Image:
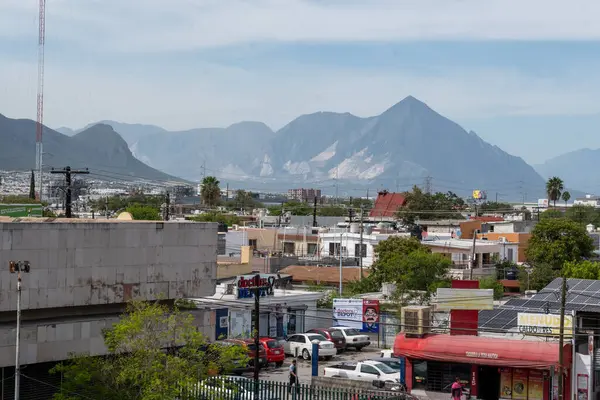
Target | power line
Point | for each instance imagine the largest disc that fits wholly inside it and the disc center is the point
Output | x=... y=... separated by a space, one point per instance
x=67 y=172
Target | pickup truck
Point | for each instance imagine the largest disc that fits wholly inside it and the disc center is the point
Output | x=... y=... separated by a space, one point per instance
x=368 y=371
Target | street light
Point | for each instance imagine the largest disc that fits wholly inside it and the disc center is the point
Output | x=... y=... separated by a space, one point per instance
x=18 y=267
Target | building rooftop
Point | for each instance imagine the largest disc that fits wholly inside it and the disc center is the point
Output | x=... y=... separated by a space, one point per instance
x=308 y=273
x=387 y=204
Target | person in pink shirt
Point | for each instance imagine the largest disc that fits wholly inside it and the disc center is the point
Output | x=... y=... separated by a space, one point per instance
x=457 y=390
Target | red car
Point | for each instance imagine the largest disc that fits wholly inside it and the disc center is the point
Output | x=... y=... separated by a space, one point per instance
x=275 y=353
x=338 y=339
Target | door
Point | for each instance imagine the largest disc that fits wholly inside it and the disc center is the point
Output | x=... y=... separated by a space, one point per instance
x=368 y=373
x=222 y=323
x=289 y=344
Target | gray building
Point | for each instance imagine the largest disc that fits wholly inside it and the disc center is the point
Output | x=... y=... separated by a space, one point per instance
x=84 y=271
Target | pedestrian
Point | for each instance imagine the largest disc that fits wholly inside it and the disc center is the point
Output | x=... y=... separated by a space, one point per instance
x=457 y=389
x=293 y=376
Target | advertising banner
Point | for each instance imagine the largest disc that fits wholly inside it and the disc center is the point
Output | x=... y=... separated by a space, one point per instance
x=448 y=299
x=370 y=316
x=536 y=385
x=505 y=383
x=348 y=312
x=519 y=387
x=543 y=324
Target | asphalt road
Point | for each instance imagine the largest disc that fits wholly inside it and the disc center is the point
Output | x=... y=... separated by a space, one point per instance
x=281 y=374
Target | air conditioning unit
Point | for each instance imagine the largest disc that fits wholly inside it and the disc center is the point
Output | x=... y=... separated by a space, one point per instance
x=416 y=320
x=502 y=239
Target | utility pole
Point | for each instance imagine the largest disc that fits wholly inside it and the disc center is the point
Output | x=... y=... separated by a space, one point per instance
x=561 y=339
x=315 y=213
x=427 y=184
x=67 y=172
x=360 y=259
x=203 y=169
x=18 y=267
x=106 y=206
x=167 y=205
x=473 y=254
x=341 y=275
x=257 y=289
x=227 y=192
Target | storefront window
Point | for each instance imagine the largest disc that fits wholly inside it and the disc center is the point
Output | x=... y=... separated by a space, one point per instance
x=295 y=321
x=420 y=375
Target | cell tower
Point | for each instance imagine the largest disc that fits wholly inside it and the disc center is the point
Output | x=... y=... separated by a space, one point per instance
x=39 y=150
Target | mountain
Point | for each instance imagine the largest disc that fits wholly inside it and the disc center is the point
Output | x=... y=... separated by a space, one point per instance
x=98 y=148
x=575 y=168
x=398 y=148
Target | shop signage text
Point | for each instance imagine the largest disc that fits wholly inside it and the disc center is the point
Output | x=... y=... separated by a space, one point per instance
x=476 y=354
x=543 y=324
x=246 y=285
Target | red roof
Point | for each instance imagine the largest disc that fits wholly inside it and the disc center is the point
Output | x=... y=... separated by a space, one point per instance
x=482 y=350
x=510 y=283
x=387 y=204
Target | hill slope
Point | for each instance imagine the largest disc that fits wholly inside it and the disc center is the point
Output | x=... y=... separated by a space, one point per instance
x=98 y=148
x=575 y=168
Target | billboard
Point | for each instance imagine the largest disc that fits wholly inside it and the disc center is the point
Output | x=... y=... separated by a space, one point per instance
x=543 y=324
x=479 y=195
x=20 y=210
x=543 y=203
x=464 y=299
x=246 y=285
x=357 y=313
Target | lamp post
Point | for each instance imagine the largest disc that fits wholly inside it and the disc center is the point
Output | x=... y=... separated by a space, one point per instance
x=18 y=267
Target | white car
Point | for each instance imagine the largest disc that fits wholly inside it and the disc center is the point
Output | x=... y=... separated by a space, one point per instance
x=368 y=371
x=301 y=345
x=353 y=337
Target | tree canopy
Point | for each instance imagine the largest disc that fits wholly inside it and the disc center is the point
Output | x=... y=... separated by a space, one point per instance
x=210 y=191
x=155 y=352
x=557 y=241
x=408 y=264
x=143 y=213
x=554 y=188
x=421 y=205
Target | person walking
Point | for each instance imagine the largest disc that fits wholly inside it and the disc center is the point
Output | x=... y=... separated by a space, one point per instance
x=457 y=389
x=293 y=376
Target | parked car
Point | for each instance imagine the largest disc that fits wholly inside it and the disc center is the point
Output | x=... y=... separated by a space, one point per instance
x=353 y=337
x=337 y=337
x=301 y=345
x=250 y=347
x=275 y=351
x=368 y=371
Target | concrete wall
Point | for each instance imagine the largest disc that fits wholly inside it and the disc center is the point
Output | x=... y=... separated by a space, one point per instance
x=94 y=263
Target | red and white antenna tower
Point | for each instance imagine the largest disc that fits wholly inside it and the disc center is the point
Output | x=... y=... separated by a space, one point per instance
x=39 y=150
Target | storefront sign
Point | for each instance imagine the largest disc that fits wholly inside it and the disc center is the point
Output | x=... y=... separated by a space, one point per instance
x=464 y=299
x=543 y=324
x=475 y=354
x=370 y=316
x=247 y=284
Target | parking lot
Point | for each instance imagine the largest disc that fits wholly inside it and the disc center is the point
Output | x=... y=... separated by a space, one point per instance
x=281 y=374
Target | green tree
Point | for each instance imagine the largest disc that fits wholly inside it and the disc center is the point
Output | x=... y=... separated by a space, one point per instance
x=492 y=206
x=10 y=199
x=566 y=196
x=210 y=192
x=32 y=186
x=551 y=213
x=537 y=277
x=583 y=214
x=582 y=270
x=491 y=282
x=143 y=213
x=332 y=211
x=420 y=205
x=409 y=265
x=554 y=188
x=557 y=241
x=138 y=367
x=227 y=219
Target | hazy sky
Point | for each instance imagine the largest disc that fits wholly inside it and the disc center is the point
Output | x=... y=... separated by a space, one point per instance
x=522 y=74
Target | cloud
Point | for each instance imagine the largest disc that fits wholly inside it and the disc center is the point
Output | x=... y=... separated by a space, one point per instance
x=160 y=25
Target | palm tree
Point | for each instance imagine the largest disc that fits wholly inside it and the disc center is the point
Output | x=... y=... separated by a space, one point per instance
x=210 y=191
x=554 y=188
x=566 y=196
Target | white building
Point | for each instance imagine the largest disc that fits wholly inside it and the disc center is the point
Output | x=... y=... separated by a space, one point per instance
x=588 y=200
x=329 y=243
x=282 y=311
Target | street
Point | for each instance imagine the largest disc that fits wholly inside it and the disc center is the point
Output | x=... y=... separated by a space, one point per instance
x=305 y=367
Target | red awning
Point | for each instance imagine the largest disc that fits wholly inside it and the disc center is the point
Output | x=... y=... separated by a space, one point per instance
x=482 y=351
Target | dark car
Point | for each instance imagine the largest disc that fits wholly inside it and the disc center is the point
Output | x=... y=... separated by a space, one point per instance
x=250 y=347
x=337 y=337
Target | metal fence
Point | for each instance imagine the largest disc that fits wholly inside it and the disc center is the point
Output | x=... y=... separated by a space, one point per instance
x=224 y=388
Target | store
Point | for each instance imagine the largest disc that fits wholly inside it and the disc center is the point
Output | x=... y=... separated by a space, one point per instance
x=492 y=368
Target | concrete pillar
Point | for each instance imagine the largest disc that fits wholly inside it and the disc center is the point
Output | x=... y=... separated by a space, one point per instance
x=245 y=254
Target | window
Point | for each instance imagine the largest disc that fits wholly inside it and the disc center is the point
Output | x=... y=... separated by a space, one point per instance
x=316 y=337
x=334 y=249
x=289 y=247
x=367 y=369
x=337 y=335
x=311 y=249
x=358 y=252
x=384 y=368
x=253 y=243
x=352 y=332
x=510 y=254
